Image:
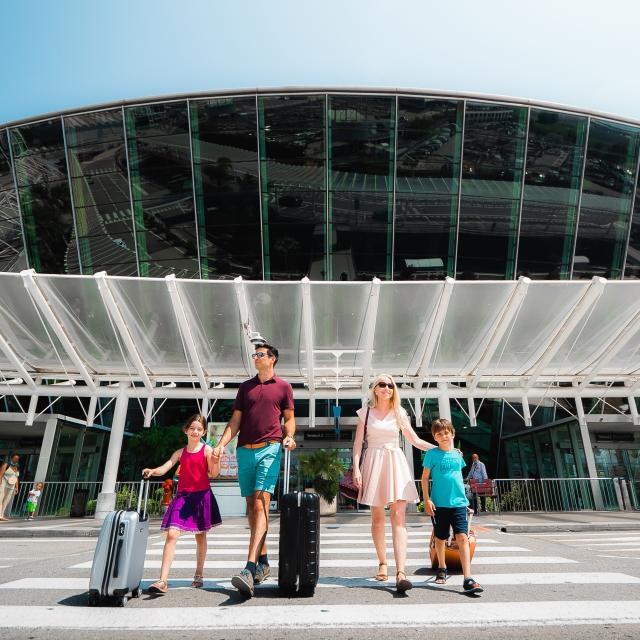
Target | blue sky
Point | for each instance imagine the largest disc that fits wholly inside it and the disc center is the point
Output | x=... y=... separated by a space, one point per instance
x=59 y=54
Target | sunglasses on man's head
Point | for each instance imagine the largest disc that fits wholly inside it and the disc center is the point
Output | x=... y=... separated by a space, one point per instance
x=260 y=354
x=385 y=385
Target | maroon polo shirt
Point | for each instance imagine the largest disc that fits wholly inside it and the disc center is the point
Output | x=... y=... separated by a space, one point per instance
x=262 y=405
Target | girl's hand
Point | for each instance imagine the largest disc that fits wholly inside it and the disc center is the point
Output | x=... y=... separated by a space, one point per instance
x=357 y=478
x=147 y=472
x=430 y=508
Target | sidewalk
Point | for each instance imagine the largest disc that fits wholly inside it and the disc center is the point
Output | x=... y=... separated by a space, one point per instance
x=507 y=522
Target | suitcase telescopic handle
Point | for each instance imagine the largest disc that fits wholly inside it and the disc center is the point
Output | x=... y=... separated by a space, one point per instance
x=287 y=468
x=144 y=489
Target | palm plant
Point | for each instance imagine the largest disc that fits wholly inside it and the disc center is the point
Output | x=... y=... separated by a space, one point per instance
x=324 y=469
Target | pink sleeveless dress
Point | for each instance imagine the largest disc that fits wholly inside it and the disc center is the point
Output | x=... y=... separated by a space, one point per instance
x=386 y=476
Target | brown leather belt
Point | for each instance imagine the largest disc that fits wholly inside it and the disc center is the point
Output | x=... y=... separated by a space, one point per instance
x=259 y=445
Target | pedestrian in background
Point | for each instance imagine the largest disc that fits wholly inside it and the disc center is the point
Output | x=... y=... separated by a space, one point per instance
x=385 y=478
x=32 y=500
x=9 y=483
x=477 y=472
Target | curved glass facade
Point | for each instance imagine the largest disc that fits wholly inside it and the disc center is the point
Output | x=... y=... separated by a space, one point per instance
x=329 y=185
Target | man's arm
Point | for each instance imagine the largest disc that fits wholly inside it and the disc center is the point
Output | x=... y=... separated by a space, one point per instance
x=289 y=429
x=230 y=432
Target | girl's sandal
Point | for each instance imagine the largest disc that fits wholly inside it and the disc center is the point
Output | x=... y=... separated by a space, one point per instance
x=441 y=576
x=158 y=587
x=402 y=584
x=381 y=576
x=198 y=581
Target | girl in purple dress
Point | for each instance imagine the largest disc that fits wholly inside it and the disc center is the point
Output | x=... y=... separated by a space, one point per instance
x=194 y=508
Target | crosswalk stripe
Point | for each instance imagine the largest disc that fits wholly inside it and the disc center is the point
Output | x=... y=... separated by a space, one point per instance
x=328 y=616
x=335 y=563
x=338 y=551
x=487 y=579
x=232 y=543
x=608 y=544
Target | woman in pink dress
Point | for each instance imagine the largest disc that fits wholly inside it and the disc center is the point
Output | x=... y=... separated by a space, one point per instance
x=385 y=477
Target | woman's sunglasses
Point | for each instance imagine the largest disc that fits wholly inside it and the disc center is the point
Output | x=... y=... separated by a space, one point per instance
x=385 y=385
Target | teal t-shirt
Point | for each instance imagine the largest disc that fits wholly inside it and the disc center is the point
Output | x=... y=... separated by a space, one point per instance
x=447 y=488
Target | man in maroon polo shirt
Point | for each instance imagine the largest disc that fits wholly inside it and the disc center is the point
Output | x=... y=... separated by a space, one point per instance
x=260 y=404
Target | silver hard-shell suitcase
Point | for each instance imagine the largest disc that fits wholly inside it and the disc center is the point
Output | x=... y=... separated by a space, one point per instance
x=118 y=561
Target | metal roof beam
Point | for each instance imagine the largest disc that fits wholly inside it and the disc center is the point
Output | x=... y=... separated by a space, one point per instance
x=508 y=313
x=121 y=327
x=41 y=303
x=307 y=330
x=185 y=329
x=369 y=330
x=11 y=355
x=433 y=329
x=612 y=347
x=590 y=296
x=245 y=317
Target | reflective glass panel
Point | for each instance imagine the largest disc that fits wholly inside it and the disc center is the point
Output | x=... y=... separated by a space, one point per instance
x=292 y=152
x=225 y=156
x=632 y=268
x=100 y=189
x=427 y=182
x=555 y=156
x=493 y=160
x=361 y=144
x=45 y=199
x=12 y=252
x=162 y=188
x=605 y=209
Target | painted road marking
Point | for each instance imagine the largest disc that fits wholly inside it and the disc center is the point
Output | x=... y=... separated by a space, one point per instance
x=329 y=616
x=336 y=563
x=488 y=579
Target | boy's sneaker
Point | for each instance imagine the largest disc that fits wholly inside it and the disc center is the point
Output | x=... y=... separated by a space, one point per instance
x=263 y=571
x=471 y=586
x=243 y=582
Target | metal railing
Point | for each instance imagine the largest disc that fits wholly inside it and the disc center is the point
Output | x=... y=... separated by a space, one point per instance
x=559 y=494
x=64 y=499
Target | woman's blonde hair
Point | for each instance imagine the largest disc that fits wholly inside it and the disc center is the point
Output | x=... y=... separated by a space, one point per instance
x=372 y=400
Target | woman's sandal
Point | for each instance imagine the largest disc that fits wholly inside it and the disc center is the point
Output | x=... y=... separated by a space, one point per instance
x=403 y=584
x=158 y=587
x=198 y=581
x=381 y=576
x=441 y=576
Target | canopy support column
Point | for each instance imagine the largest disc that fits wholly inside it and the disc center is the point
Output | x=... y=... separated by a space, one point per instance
x=588 y=454
x=45 y=450
x=444 y=406
x=107 y=497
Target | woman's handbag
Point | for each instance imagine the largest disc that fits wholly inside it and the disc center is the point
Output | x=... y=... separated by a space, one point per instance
x=347 y=485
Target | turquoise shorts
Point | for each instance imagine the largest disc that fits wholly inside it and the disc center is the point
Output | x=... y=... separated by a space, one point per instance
x=258 y=469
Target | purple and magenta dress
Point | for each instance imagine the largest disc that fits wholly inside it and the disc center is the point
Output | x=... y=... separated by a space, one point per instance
x=194 y=508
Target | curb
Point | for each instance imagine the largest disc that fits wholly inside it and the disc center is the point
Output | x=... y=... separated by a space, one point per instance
x=49 y=533
x=572 y=526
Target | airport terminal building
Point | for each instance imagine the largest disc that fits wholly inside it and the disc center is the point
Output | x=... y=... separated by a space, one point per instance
x=483 y=250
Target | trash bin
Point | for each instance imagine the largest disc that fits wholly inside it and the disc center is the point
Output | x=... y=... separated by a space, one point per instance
x=79 y=503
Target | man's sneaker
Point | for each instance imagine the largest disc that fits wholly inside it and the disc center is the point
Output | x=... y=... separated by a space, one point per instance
x=263 y=571
x=243 y=582
x=471 y=586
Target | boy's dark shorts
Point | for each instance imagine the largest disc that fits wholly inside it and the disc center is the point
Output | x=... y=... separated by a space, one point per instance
x=450 y=517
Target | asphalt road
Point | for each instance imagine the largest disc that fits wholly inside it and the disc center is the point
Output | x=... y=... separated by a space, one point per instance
x=552 y=585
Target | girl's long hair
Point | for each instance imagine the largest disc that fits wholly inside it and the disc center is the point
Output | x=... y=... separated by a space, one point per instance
x=372 y=400
x=196 y=417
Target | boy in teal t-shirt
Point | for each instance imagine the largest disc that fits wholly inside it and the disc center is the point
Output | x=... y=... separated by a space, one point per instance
x=446 y=503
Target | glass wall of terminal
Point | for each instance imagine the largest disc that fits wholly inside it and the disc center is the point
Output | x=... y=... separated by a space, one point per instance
x=325 y=185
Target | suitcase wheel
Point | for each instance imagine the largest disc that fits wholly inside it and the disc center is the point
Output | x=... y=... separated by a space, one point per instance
x=121 y=601
x=306 y=592
x=136 y=592
x=94 y=598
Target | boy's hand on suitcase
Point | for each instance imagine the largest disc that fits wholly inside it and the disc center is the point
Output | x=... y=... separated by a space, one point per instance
x=289 y=443
x=430 y=508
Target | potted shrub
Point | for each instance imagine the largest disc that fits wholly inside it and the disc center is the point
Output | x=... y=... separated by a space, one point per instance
x=324 y=469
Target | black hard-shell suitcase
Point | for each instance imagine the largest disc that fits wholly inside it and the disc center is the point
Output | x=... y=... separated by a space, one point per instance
x=118 y=561
x=299 y=555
